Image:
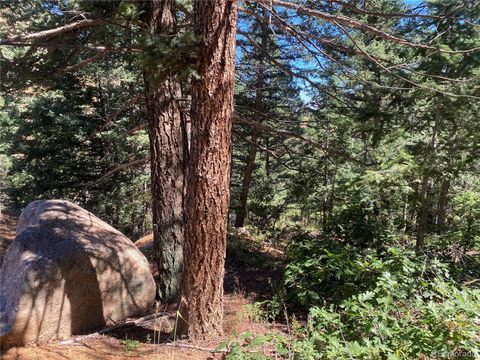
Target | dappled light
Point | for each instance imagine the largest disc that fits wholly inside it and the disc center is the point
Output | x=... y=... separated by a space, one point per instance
x=68 y=273
x=240 y=180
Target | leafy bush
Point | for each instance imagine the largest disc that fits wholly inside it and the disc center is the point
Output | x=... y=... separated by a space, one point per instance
x=327 y=271
x=394 y=305
x=248 y=346
x=130 y=345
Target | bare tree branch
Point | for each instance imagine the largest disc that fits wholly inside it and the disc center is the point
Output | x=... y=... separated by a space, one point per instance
x=279 y=132
x=87 y=61
x=117 y=169
x=288 y=71
x=66 y=46
x=136 y=128
x=355 y=24
x=111 y=117
x=47 y=34
x=328 y=152
x=388 y=15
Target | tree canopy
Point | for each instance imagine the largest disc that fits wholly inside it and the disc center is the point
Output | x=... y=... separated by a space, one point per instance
x=344 y=132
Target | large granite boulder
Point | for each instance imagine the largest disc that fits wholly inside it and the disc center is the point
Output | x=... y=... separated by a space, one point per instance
x=68 y=272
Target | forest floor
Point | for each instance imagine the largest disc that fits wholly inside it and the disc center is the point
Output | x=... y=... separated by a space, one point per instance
x=246 y=282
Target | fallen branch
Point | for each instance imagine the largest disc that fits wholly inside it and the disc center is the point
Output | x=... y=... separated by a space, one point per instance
x=193 y=347
x=126 y=324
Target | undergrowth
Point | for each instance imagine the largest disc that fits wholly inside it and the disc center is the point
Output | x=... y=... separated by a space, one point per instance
x=369 y=304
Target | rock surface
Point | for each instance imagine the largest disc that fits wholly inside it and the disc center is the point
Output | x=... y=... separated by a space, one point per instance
x=68 y=272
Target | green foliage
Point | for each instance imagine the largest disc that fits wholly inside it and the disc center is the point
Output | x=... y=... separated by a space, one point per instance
x=248 y=346
x=465 y=229
x=130 y=345
x=328 y=271
x=392 y=157
x=366 y=305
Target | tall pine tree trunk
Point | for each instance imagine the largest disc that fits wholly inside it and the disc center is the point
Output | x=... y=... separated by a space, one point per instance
x=442 y=205
x=167 y=156
x=247 y=179
x=252 y=154
x=426 y=184
x=201 y=303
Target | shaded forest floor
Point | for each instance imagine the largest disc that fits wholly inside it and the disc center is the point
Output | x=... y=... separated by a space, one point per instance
x=249 y=272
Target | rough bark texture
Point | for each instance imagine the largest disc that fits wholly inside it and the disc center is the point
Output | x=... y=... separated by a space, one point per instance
x=252 y=154
x=167 y=158
x=201 y=304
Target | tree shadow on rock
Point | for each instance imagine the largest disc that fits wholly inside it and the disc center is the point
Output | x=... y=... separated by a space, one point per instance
x=76 y=275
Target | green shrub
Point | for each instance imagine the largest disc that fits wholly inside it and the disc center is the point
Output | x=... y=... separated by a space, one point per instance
x=248 y=346
x=325 y=271
x=393 y=305
x=130 y=345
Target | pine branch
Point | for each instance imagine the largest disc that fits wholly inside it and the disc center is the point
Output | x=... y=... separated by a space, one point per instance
x=288 y=71
x=309 y=37
x=117 y=169
x=112 y=116
x=358 y=25
x=47 y=34
x=290 y=134
x=388 y=15
x=416 y=84
x=87 y=61
x=358 y=52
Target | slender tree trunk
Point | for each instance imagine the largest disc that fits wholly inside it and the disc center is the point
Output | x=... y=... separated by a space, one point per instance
x=405 y=213
x=325 y=197
x=422 y=219
x=267 y=157
x=201 y=303
x=167 y=160
x=442 y=205
x=252 y=154
x=440 y=219
x=325 y=200
x=247 y=179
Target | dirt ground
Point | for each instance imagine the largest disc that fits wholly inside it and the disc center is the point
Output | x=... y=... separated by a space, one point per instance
x=151 y=339
x=115 y=345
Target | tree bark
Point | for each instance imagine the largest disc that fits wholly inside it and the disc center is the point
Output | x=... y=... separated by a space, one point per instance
x=423 y=212
x=422 y=218
x=247 y=179
x=201 y=303
x=258 y=108
x=167 y=161
x=404 y=213
x=442 y=205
